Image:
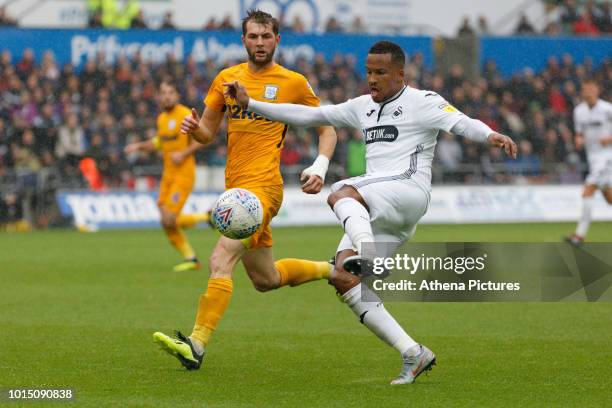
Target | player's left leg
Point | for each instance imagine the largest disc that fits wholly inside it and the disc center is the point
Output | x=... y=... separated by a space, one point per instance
x=416 y=358
x=259 y=260
x=267 y=274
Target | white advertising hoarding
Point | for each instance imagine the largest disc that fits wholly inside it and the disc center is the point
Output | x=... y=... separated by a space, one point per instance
x=449 y=205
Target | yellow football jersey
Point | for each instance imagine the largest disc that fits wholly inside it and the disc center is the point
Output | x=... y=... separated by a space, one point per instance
x=172 y=139
x=254 y=142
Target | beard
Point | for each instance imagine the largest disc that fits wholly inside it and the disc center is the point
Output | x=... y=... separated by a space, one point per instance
x=268 y=58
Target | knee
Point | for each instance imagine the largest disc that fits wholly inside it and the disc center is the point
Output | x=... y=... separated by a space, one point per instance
x=333 y=198
x=168 y=220
x=342 y=280
x=264 y=285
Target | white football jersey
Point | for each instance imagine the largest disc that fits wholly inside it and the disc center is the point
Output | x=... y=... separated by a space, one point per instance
x=401 y=133
x=594 y=124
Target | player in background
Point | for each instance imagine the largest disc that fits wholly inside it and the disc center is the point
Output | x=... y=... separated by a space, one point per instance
x=178 y=176
x=400 y=125
x=253 y=163
x=593 y=128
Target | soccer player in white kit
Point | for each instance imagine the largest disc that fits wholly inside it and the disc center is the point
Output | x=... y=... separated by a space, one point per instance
x=593 y=128
x=400 y=125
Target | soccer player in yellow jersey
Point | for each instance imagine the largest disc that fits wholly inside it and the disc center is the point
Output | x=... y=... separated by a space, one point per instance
x=253 y=163
x=178 y=150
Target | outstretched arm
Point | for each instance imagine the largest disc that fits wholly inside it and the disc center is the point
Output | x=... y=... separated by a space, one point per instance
x=478 y=131
x=298 y=115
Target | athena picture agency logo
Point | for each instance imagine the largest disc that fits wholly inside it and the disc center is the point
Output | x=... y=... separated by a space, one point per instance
x=458 y=272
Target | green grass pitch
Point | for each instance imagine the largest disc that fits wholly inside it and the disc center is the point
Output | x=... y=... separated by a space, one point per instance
x=78 y=310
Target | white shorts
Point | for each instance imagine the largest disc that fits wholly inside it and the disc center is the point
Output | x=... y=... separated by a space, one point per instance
x=600 y=172
x=396 y=205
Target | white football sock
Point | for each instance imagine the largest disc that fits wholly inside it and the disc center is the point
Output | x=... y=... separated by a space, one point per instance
x=376 y=318
x=585 y=217
x=356 y=221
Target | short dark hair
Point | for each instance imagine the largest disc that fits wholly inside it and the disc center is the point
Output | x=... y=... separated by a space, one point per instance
x=388 y=47
x=259 y=17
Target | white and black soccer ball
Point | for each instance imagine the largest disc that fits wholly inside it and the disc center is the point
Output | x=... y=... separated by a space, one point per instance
x=237 y=214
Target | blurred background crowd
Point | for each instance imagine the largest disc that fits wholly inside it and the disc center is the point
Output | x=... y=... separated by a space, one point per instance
x=51 y=117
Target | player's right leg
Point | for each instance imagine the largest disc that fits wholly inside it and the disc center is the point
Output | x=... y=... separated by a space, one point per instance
x=588 y=196
x=354 y=214
x=211 y=306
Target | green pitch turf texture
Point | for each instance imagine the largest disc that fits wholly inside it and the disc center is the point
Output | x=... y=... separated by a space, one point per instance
x=78 y=310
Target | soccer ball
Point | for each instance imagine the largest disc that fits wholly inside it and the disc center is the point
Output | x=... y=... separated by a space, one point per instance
x=237 y=214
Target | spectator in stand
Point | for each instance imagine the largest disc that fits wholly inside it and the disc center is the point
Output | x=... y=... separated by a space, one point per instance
x=524 y=27
x=5 y=19
x=357 y=26
x=297 y=26
x=226 y=24
x=568 y=16
x=483 y=26
x=449 y=155
x=465 y=30
x=585 y=25
x=71 y=145
x=211 y=25
x=599 y=15
x=25 y=66
x=139 y=21
x=168 y=23
x=333 y=26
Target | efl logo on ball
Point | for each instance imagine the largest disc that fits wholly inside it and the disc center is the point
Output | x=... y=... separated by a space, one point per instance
x=237 y=214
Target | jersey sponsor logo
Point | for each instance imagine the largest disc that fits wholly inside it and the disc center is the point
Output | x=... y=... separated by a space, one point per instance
x=236 y=112
x=168 y=138
x=383 y=133
x=594 y=123
x=270 y=92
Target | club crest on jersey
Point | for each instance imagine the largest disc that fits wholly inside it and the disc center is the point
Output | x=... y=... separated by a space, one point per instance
x=270 y=92
x=171 y=124
x=397 y=113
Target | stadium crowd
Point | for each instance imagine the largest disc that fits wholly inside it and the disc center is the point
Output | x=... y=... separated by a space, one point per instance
x=52 y=117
